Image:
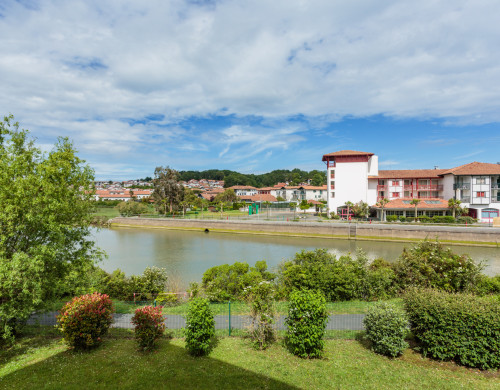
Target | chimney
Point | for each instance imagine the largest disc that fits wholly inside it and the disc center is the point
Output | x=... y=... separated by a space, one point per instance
x=436 y=167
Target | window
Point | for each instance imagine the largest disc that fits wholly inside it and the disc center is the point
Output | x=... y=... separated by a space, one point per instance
x=332 y=185
x=381 y=182
x=333 y=194
x=407 y=182
x=480 y=194
x=489 y=213
x=407 y=194
x=480 y=180
x=395 y=182
x=395 y=194
x=332 y=174
x=432 y=201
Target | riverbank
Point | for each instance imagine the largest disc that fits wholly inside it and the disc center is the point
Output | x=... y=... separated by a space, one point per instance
x=456 y=235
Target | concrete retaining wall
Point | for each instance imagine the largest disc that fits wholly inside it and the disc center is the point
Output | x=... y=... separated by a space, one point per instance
x=470 y=235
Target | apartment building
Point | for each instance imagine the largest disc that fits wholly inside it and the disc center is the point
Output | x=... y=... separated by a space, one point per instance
x=354 y=176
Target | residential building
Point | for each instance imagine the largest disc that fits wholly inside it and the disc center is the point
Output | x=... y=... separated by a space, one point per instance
x=353 y=176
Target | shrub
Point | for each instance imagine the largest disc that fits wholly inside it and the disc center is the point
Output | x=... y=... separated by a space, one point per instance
x=466 y=220
x=443 y=219
x=333 y=215
x=487 y=285
x=200 y=327
x=429 y=264
x=424 y=218
x=226 y=282
x=148 y=285
x=459 y=327
x=391 y=218
x=306 y=323
x=117 y=285
x=148 y=326
x=85 y=319
x=402 y=218
x=386 y=327
x=167 y=299
x=262 y=298
x=131 y=207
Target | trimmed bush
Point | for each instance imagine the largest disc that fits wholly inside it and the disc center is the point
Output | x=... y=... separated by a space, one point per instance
x=306 y=323
x=262 y=298
x=386 y=327
x=443 y=219
x=402 y=218
x=85 y=319
x=424 y=218
x=200 y=327
x=391 y=218
x=466 y=220
x=429 y=264
x=459 y=327
x=148 y=326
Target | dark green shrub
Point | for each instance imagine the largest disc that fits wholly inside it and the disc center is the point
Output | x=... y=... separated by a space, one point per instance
x=429 y=264
x=85 y=319
x=306 y=323
x=386 y=327
x=262 y=299
x=459 y=327
x=148 y=285
x=466 y=220
x=117 y=285
x=339 y=279
x=487 y=285
x=424 y=219
x=226 y=282
x=402 y=218
x=443 y=219
x=148 y=326
x=167 y=299
x=200 y=327
x=391 y=218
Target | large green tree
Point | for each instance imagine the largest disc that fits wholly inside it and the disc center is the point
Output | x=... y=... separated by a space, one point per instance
x=45 y=207
x=167 y=192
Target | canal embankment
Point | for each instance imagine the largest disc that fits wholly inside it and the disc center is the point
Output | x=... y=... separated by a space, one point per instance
x=459 y=235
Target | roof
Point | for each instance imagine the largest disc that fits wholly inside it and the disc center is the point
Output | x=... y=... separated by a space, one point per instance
x=475 y=168
x=259 y=198
x=409 y=174
x=242 y=188
x=347 y=153
x=425 y=204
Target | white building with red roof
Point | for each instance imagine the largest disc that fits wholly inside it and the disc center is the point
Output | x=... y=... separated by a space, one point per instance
x=353 y=176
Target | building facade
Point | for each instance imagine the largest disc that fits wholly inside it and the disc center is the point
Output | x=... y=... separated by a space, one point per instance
x=354 y=176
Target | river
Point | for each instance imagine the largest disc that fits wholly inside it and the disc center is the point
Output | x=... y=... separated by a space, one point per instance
x=186 y=255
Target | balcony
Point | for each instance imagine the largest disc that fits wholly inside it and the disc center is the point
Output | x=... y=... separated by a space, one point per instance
x=429 y=187
x=461 y=186
x=464 y=199
x=382 y=187
x=495 y=185
x=430 y=197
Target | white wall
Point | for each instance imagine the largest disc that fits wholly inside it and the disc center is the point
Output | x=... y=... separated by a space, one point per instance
x=448 y=191
x=351 y=184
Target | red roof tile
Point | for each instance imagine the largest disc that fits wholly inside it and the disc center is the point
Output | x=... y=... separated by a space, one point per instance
x=348 y=153
x=409 y=174
x=475 y=168
x=400 y=204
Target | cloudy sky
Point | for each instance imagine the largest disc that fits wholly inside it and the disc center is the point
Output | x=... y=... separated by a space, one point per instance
x=254 y=85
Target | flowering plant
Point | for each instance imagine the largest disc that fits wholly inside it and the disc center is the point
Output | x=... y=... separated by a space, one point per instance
x=149 y=326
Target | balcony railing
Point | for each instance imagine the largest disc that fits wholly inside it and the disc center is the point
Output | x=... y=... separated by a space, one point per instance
x=461 y=186
x=430 y=197
x=464 y=199
x=429 y=187
x=495 y=185
x=381 y=187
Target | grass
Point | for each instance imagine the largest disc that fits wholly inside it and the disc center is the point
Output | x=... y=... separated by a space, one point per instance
x=42 y=361
x=109 y=212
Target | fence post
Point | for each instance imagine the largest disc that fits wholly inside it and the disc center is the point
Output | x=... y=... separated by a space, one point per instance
x=229 y=318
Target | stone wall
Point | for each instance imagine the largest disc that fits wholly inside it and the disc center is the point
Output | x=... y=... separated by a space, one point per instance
x=470 y=235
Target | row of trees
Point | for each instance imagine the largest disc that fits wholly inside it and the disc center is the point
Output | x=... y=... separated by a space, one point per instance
x=231 y=178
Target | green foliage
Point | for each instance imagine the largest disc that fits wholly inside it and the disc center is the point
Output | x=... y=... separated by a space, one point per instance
x=107 y=203
x=334 y=215
x=386 y=327
x=148 y=285
x=167 y=192
x=487 y=285
x=392 y=218
x=131 y=207
x=200 y=327
x=148 y=326
x=46 y=201
x=424 y=218
x=339 y=279
x=402 y=218
x=306 y=323
x=85 y=319
x=429 y=264
x=466 y=220
x=167 y=299
x=227 y=282
x=262 y=298
x=459 y=327
x=443 y=219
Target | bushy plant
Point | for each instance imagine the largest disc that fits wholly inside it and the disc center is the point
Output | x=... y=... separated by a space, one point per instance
x=262 y=300
x=85 y=319
x=392 y=218
x=306 y=323
x=226 y=282
x=200 y=327
x=402 y=218
x=117 y=285
x=466 y=220
x=167 y=299
x=424 y=218
x=487 y=285
x=148 y=285
x=443 y=219
x=131 y=207
x=148 y=326
x=386 y=327
x=429 y=264
x=459 y=327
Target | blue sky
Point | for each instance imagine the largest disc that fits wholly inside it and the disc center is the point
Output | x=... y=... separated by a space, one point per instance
x=254 y=86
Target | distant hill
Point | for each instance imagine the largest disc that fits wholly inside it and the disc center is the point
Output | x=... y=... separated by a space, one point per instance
x=232 y=178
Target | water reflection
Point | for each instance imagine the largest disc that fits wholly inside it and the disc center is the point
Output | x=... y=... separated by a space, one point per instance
x=188 y=254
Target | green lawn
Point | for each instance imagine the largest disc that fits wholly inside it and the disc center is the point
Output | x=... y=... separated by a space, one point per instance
x=109 y=212
x=42 y=361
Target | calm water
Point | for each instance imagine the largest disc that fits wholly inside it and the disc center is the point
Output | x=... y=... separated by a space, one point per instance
x=186 y=255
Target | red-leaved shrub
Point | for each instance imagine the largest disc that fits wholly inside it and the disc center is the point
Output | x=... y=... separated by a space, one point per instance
x=149 y=326
x=85 y=319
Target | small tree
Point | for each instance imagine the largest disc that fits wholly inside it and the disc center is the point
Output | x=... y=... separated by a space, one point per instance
x=200 y=327
x=304 y=205
x=167 y=192
x=148 y=326
x=454 y=205
x=381 y=203
x=262 y=297
x=415 y=203
x=349 y=207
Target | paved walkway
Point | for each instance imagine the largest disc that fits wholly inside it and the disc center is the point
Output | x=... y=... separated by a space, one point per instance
x=175 y=321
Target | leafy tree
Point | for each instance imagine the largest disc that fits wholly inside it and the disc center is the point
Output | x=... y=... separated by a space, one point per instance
x=304 y=205
x=227 y=196
x=456 y=209
x=415 y=203
x=167 y=192
x=361 y=209
x=381 y=203
x=45 y=207
x=189 y=200
x=132 y=208
x=280 y=199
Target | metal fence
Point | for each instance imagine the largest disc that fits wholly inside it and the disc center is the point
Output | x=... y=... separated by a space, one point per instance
x=230 y=318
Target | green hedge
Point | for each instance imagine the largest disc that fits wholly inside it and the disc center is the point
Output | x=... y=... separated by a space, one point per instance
x=459 y=327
